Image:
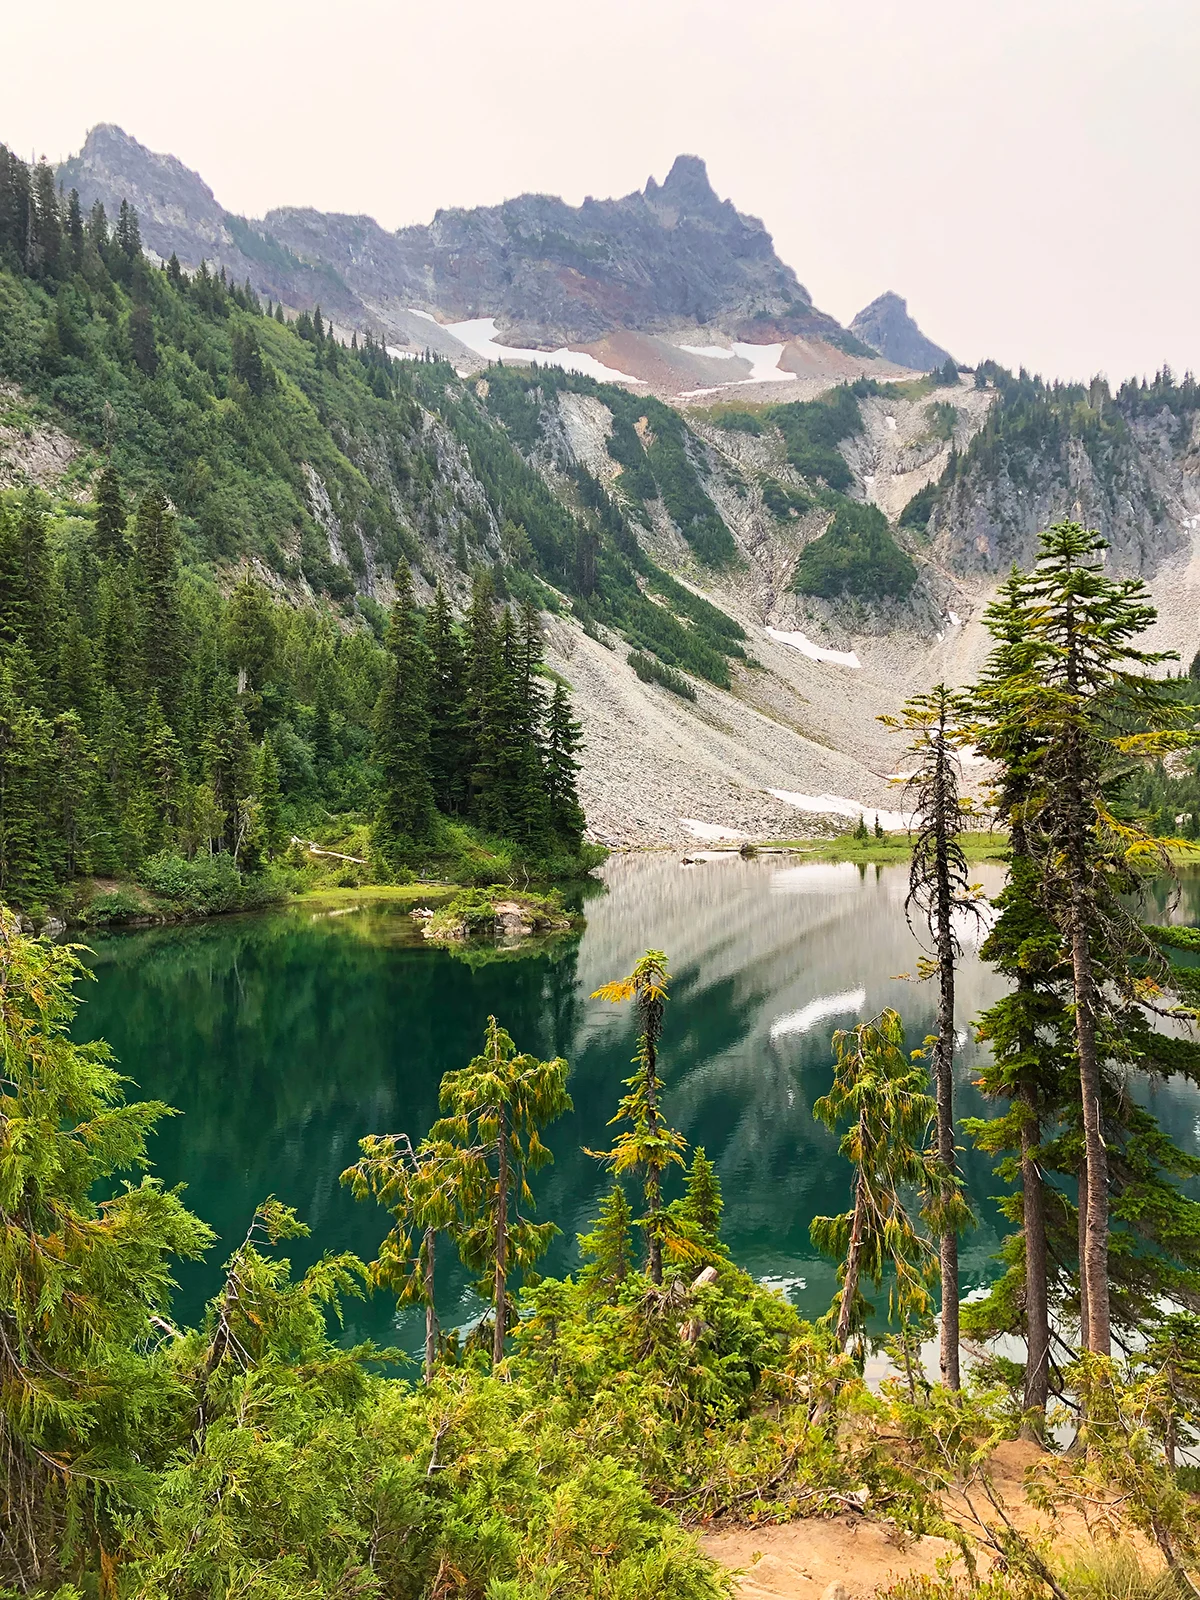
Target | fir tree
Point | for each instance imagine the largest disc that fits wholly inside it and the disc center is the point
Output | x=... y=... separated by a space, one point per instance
x=82 y=1279
x=702 y=1205
x=649 y=1147
x=608 y=1249
x=401 y=748
x=939 y=889
x=448 y=753
x=494 y=1110
x=563 y=740
x=270 y=800
x=883 y=1095
x=25 y=862
x=110 y=516
x=156 y=567
x=251 y=634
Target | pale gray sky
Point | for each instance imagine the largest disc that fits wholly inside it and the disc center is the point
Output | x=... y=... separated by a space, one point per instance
x=1024 y=171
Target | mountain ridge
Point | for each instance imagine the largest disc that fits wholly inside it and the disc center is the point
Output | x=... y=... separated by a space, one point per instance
x=664 y=259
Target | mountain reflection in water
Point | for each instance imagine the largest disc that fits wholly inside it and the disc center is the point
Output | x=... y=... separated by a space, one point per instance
x=284 y=1038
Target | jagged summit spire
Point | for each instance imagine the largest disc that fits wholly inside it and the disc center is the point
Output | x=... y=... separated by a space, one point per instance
x=686 y=186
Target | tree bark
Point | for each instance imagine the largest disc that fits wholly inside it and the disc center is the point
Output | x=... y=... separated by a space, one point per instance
x=1037 y=1312
x=1084 y=1335
x=1094 y=1232
x=501 y=1240
x=431 y=1321
x=944 y=1088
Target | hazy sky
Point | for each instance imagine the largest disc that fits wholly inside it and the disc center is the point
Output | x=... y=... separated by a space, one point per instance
x=1024 y=171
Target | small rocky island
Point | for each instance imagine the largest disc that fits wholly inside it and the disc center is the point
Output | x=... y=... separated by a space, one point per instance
x=499 y=913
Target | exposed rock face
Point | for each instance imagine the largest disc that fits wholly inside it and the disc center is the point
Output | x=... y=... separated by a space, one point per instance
x=886 y=326
x=178 y=214
x=670 y=257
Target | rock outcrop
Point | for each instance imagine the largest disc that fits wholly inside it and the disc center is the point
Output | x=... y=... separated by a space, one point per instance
x=665 y=259
x=887 y=328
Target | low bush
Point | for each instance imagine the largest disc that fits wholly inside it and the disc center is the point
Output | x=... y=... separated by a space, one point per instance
x=113 y=906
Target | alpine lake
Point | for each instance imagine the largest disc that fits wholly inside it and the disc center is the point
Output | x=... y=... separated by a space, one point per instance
x=282 y=1038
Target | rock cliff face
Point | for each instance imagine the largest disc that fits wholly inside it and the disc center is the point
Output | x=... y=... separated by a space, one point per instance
x=668 y=257
x=887 y=328
x=671 y=257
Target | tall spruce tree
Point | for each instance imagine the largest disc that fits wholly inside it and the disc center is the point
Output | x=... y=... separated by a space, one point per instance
x=110 y=516
x=448 y=748
x=648 y=1146
x=156 y=572
x=939 y=890
x=564 y=738
x=405 y=811
x=494 y=1110
x=1083 y=690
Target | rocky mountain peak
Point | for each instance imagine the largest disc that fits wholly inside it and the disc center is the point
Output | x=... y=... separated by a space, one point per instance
x=686 y=186
x=887 y=328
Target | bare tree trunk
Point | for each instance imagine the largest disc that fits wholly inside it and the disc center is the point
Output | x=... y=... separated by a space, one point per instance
x=943 y=1073
x=1084 y=1333
x=431 y=1321
x=501 y=1240
x=1037 y=1314
x=1094 y=1232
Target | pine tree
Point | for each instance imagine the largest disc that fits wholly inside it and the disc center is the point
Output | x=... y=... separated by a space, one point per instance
x=110 y=516
x=82 y=1278
x=156 y=571
x=142 y=342
x=401 y=749
x=72 y=790
x=26 y=868
x=1082 y=685
x=649 y=1146
x=608 y=1249
x=163 y=781
x=563 y=740
x=702 y=1204
x=46 y=240
x=883 y=1094
x=939 y=889
x=448 y=750
x=494 y=1110
x=251 y=634
x=270 y=800
x=420 y=1187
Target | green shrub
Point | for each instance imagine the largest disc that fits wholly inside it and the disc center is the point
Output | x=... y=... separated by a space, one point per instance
x=651 y=671
x=856 y=555
x=209 y=885
x=812 y=431
x=736 y=421
x=917 y=512
x=784 y=503
x=942 y=419
x=114 y=905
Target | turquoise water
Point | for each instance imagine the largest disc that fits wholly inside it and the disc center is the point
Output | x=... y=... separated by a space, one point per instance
x=284 y=1038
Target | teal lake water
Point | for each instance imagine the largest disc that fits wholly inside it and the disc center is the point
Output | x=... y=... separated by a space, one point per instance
x=283 y=1038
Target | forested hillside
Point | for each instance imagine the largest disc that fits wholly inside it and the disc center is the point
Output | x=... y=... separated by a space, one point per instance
x=195 y=662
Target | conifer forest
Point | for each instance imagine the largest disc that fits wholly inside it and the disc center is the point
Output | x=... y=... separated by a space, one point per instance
x=195 y=686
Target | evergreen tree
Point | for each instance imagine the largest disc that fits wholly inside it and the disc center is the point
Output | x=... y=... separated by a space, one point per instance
x=702 y=1205
x=110 y=516
x=142 y=342
x=81 y=1278
x=882 y=1093
x=608 y=1249
x=401 y=748
x=156 y=568
x=494 y=1110
x=25 y=855
x=46 y=240
x=1081 y=686
x=72 y=822
x=251 y=634
x=163 y=781
x=563 y=740
x=649 y=1147
x=270 y=801
x=939 y=889
x=448 y=751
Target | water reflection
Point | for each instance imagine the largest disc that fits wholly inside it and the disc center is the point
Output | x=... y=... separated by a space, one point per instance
x=283 y=1039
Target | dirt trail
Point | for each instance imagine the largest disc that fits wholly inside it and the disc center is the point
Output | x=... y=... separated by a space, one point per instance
x=800 y=1560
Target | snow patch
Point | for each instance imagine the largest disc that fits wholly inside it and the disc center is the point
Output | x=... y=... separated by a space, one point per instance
x=825 y=1005
x=814 y=652
x=716 y=351
x=428 y=315
x=836 y=805
x=891 y=422
x=710 y=830
x=401 y=355
x=955 y=619
x=479 y=335
x=763 y=360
